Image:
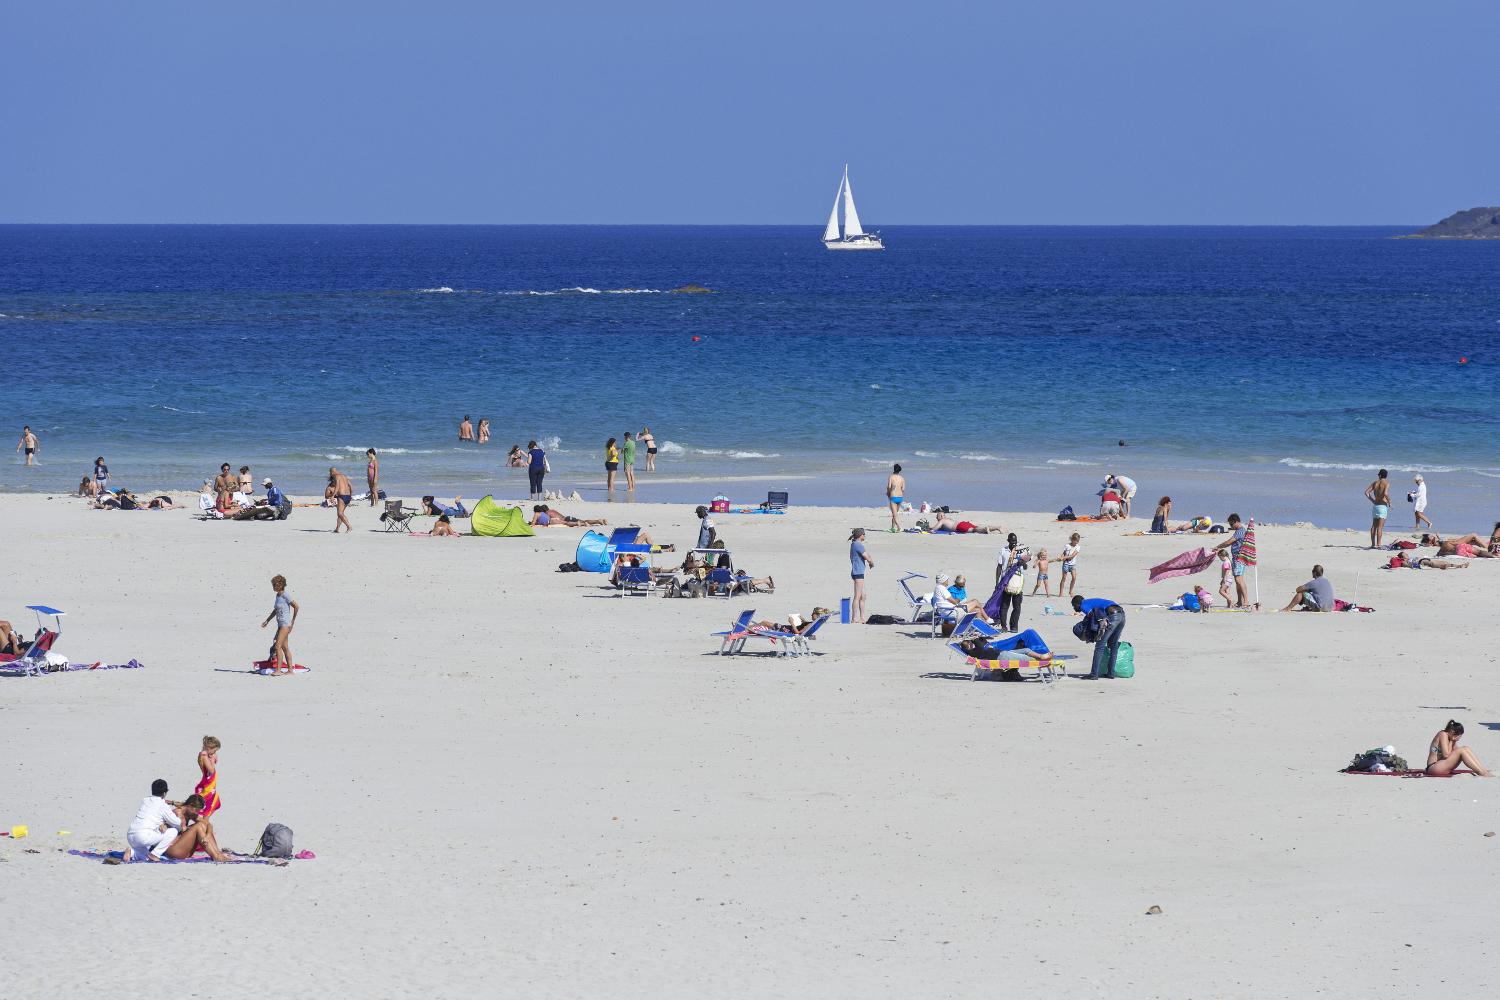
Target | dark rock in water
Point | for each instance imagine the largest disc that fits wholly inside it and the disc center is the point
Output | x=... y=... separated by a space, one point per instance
x=1475 y=224
x=700 y=288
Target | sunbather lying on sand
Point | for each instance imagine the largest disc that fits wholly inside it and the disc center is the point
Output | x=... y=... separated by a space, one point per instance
x=545 y=517
x=1403 y=561
x=1445 y=754
x=946 y=523
x=431 y=505
x=1469 y=546
x=443 y=527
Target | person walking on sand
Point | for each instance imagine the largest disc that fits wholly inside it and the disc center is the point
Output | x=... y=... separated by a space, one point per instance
x=285 y=612
x=29 y=442
x=1444 y=754
x=895 y=493
x=1226 y=579
x=1041 y=574
x=627 y=455
x=341 y=492
x=858 y=560
x=1242 y=592
x=101 y=476
x=1418 y=497
x=372 y=473
x=645 y=438
x=466 y=430
x=1379 y=495
x=611 y=463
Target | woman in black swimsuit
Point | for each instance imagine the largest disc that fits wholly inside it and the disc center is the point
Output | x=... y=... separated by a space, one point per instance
x=644 y=437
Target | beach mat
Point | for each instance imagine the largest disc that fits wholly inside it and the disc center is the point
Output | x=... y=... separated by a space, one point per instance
x=1087 y=520
x=1408 y=774
x=234 y=859
x=267 y=667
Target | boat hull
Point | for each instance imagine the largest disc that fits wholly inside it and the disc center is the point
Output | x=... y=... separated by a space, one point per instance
x=858 y=243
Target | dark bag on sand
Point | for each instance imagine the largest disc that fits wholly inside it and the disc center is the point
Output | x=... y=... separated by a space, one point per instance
x=883 y=620
x=569 y=567
x=1088 y=630
x=276 y=842
x=283 y=509
x=1066 y=514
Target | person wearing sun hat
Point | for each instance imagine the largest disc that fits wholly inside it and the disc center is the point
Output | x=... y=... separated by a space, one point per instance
x=1418 y=497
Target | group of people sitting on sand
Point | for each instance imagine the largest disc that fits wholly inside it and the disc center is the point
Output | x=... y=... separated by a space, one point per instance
x=171 y=830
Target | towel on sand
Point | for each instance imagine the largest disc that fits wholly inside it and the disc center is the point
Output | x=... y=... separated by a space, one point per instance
x=1186 y=564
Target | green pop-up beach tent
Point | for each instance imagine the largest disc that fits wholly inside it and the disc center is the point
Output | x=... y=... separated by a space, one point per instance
x=489 y=518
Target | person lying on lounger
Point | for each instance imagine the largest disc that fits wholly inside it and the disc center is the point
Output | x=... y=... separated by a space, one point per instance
x=795 y=624
x=981 y=650
x=746 y=584
x=443 y=527
x=1469 y=546
x=1445 y=754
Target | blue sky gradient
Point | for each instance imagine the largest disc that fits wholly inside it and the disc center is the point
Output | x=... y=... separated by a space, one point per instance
x=948 y=113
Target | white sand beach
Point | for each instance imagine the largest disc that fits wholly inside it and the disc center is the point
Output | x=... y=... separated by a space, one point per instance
x=517 y=783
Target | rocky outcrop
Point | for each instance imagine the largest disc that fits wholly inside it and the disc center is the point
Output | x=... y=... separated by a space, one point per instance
x=699 y=288
x=1475 y=224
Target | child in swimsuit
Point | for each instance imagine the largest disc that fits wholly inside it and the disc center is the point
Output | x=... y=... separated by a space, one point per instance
x=1041 y=573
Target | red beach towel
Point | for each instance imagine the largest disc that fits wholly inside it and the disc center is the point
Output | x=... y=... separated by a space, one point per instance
x=1194 y=561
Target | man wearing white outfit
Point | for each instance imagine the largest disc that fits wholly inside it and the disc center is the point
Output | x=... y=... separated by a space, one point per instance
x=1125 y=487
x=155 y=826
x=1418 y=498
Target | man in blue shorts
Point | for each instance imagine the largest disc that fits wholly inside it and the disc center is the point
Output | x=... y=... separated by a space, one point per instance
x=1379 y=495
x=1241 y=592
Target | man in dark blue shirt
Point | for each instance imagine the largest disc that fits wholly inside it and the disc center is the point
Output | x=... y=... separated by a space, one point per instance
x=1107 y=644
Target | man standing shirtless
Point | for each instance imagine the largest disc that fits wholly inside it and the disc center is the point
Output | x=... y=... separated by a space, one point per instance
x=28 y=441
x=895 y=493
x=466 y=430
x=340 y=491
x=225 y=481
x=1379 y=494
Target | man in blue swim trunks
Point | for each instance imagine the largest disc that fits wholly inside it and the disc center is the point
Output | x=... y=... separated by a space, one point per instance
x=895 y=493
x=1241 y=592
x=1379 y=495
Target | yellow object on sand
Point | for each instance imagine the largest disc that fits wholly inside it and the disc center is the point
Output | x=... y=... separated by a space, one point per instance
x=19 y=831
x=64 y=833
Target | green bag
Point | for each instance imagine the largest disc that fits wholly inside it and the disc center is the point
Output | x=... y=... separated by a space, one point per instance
x=1125 y=660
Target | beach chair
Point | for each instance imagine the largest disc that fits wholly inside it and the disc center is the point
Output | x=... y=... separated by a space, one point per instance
x=636 y=580
x=775 y=501
x=395 y=518
x=1047 y=670
x=808 y=634
x=720 y=583
x=34 y=659
x=734 y=639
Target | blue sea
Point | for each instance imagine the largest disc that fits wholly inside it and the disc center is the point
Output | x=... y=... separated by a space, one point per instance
x=1264 y=370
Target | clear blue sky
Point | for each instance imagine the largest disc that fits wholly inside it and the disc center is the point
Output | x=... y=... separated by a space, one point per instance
x=995 y=112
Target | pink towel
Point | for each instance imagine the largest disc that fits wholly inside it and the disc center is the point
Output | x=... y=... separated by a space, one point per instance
x=1195 y=561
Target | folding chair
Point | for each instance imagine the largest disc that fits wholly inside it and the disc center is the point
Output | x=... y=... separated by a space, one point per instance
x=734 y=639
x=719 y=583
x=395 y=518
x=636 y=580
x=808 y=634
x=34 y=660
x=774 y=501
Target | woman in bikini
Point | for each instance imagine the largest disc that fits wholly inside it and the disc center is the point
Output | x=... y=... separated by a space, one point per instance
x=645 y=438
x=443 y=528
x=372 y=473
x=1445 y=754
x=484 y=431
x=517 y=459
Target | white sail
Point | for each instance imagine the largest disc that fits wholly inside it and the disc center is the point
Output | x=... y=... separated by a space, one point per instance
x=832 y=232
x=851 y=217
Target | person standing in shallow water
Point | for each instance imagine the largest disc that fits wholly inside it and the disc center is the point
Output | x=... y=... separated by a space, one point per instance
x=29 y=442
x=1379 y=495
x=895 y=494
x=627 y=456
x=1419 y=501
x=466 y=430
x=611 y=464
x=649 y=443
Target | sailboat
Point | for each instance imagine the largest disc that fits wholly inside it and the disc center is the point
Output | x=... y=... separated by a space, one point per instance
x=854 y=238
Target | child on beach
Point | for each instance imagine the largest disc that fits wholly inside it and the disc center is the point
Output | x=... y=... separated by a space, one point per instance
x=1041 y=574
x=285 y=612
x=208 y=785
x=1069 y=564
x=1226 y=578
x=1205 y=599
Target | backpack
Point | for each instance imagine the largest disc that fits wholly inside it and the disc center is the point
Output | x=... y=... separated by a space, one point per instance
x=1066 y=514
x=276 y=842
x=283 y=509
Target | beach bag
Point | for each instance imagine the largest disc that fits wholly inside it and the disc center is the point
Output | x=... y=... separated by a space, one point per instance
x=1403 y=544
x=719 y=506
x=1125 y=660
x=276 y=842
x=283 y=510
x=1190 y=602
x=1016 y=582
x=1066 y=514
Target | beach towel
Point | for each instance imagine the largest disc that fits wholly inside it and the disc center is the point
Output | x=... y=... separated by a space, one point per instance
x=1082 y=520
x=197 y=859
x=268 y=667
x=1186 y=564
x=1407 y=774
